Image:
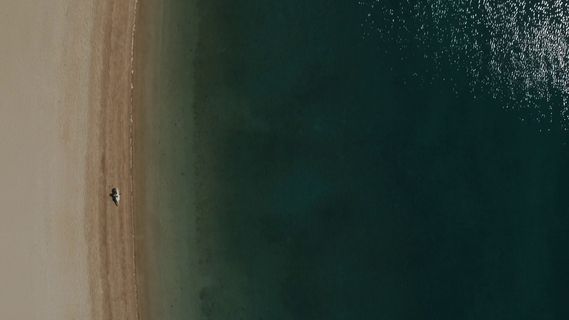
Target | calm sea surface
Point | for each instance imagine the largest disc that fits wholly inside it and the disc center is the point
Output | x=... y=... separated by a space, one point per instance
x=333 y=160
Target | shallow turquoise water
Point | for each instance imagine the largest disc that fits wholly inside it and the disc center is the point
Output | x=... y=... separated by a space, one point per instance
x=309 y=170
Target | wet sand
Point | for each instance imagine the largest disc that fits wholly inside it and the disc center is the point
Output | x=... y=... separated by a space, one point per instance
x=111 y=229
x=65 y=140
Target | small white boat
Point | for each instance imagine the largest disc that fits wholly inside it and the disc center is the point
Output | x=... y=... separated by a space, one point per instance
x=116 y=195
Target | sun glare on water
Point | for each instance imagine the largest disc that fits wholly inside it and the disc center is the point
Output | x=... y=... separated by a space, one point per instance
x=517 y=51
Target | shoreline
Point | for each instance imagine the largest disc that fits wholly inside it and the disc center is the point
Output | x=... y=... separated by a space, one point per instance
x=132 y=146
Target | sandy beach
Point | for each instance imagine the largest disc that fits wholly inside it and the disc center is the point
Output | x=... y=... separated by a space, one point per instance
x=65 y=138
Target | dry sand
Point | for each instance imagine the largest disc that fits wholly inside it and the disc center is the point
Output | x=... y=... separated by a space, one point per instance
x=66 y=252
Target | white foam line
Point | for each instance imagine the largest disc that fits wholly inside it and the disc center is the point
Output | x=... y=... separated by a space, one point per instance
x=131 y=139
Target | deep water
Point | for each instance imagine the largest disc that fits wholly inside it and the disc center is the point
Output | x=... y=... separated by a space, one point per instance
x=313 y=173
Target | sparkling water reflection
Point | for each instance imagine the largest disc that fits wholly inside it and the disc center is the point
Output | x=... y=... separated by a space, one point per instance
x=518 y=51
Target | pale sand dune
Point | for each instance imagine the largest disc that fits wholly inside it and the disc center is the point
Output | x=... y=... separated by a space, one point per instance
x=65 y=253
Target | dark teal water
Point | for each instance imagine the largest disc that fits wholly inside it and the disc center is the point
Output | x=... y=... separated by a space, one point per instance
x=317 y=174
